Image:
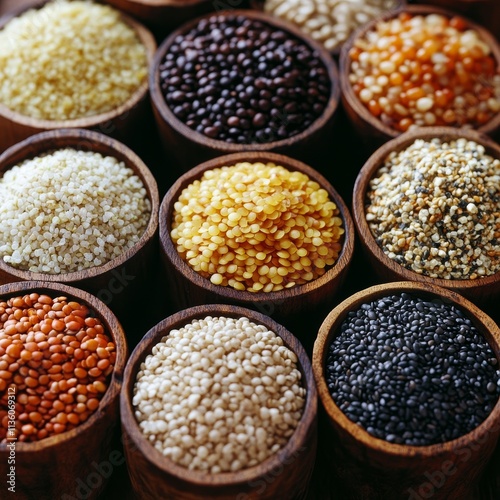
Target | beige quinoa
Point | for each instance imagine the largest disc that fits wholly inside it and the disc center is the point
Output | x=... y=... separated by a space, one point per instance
x=257 y=227
x=69 y=60
x=219 y=394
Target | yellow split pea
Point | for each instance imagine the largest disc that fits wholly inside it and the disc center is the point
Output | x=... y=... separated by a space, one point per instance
x=257 y=227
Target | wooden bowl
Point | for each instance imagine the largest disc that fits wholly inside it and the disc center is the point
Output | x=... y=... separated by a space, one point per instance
x=189 y=288
x=484 y=12
x=483 y=289
x=188 y=147
x=163 y=16
x=76 y=455
x=109 y=281
x=285 y=474
x=260 y=4
x=120 y=123
x=372 y=130
x=375 y=468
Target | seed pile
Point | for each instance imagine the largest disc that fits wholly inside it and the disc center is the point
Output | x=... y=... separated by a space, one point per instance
x=219 y=394
x=434 y=208
x=59 y=359
x=412 y=371
x=425 y=70
x=257 y=227
x=68 y=60
x=241 y=81
x=328 y=21
x=69 y=210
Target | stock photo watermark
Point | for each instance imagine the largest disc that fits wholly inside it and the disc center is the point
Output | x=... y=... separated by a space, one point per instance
x=100 y=473
x=437 y=478
x=116 y=285
x=11 y=438
x=259 y=486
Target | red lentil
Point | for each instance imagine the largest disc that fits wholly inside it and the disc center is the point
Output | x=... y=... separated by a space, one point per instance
x=425 y=70
x=45 y=357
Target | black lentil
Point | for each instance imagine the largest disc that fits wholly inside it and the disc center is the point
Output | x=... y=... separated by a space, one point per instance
x=239 y=80
x=412 y=371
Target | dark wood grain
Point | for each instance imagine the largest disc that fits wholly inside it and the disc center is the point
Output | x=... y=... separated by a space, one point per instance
x=395 y=471
x=370 y=128
x=283 y=475
x=191 y=148
x=121 y=122
x=486 y=289
x=115 y=281
x=54 y=466
x=188 y=288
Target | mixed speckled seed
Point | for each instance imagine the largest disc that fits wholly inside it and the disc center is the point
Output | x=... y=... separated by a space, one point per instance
x=241 y=81
x=434 y=208
x=412 y=371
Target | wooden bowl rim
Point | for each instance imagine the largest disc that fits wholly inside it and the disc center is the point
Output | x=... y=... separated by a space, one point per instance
x=98 y=120
x=361 y=111
x=72 y=137
x=244 y=296
x=485 y=325
x=166 y=465
x=199 y=139
x=371 y=167
x=113 y=329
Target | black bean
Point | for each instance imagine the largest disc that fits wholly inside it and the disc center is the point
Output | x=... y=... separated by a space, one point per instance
x=261 y=73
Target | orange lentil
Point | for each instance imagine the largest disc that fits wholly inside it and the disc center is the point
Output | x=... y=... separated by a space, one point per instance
x=92 y=404
x=80 y=372
x=59 y=428
x=90 y=362
x=42 y=434
x=73 y=325
x=61 y=418
x=68 y=367
x=28 y=429
x=95 y=372
x=37 y=356
x=14 y=350
x=99 y=386
x=43 y=355
x=73 y=418
x=103 y=364
x=102 y=352
x=90 y=321
x=58 y=325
